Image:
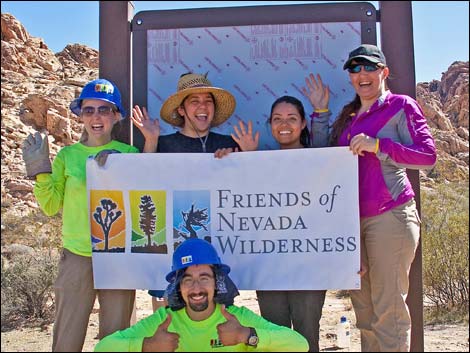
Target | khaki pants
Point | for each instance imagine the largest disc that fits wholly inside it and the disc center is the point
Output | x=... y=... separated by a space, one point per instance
x=74 y=299
x=388 y=245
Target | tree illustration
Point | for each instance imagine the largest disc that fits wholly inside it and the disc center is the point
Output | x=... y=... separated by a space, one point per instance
x=110 y=216
x=148 y=217
x=194 y=218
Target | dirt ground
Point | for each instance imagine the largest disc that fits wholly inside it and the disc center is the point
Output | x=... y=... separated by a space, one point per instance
x=437 y=338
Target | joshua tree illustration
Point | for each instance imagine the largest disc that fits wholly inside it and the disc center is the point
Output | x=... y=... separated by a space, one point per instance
x=194 y=217
x=147 y=217
x=109 y=218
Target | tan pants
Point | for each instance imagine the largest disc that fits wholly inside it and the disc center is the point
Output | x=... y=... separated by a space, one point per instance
x=388 y=245
x=74 y=299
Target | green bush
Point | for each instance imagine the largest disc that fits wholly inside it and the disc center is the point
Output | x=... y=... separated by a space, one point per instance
x=30 y=244
x=27 y=286
x=444 y=233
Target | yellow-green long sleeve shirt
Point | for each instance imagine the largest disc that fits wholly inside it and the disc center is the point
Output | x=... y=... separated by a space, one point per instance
x=65 y=188
x=201 y=336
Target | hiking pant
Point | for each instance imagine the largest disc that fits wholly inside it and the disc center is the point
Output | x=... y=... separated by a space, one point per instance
x=74 y=299
x=388 y=245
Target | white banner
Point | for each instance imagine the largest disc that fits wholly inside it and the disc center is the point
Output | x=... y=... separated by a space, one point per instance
x=280 y=219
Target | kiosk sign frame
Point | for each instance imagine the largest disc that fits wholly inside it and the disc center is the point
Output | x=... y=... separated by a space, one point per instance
x=123 y=59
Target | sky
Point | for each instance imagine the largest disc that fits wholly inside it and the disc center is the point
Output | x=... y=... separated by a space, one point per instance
x=440 y=29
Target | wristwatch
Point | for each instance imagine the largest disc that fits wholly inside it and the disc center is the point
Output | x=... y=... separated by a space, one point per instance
x=253 y=338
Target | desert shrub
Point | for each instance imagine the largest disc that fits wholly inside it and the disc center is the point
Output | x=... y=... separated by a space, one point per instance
x=441 y=315
x=27 y=286
x=445 y=225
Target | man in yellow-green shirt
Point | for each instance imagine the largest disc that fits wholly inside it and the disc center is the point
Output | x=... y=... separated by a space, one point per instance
x=201 y=316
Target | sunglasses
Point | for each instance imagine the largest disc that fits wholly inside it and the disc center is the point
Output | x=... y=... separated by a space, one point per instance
x=104 y=110
x=355 y=69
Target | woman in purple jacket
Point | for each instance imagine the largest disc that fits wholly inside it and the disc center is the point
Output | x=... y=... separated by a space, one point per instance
x=390 y=134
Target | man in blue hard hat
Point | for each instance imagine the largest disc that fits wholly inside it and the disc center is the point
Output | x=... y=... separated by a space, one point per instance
x=201 y=316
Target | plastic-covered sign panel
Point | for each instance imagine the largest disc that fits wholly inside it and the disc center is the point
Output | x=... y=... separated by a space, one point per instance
x=258 y=58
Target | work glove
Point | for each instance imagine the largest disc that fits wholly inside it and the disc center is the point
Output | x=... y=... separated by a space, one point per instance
x=36 y=155
x=102 y=156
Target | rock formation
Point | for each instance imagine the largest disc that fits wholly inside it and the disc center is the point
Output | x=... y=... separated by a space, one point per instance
x=445 y=104
x=37 y=87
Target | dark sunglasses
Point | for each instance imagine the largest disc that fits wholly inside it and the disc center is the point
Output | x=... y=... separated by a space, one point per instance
x=104 y=110
x=355 y=69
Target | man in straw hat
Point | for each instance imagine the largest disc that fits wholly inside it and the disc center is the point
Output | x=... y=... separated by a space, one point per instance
x=201 y=316
x=196 y=107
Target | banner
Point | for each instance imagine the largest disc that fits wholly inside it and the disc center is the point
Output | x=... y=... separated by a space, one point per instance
x=285 y=219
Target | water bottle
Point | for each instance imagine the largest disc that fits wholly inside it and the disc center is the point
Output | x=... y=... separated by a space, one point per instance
x=343 y=333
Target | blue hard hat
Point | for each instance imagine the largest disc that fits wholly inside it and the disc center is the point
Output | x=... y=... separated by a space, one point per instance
x=101 y=89
x=195 y=251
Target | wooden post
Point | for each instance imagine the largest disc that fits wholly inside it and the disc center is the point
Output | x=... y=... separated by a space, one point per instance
x=115 y=50
x=397 y=44
x=115 y=58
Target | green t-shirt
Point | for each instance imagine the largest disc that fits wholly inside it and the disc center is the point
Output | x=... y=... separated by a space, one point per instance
x=66 y=188
x=201 y=336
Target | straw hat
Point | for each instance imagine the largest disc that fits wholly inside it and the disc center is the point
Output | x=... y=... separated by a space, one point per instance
x=192 y=84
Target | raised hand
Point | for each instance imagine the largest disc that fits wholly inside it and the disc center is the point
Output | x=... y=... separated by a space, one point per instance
x=317 y=93
x=150 y=128
x=231 y=332
x=36 y=155
x=244 y=137
x=162 y=340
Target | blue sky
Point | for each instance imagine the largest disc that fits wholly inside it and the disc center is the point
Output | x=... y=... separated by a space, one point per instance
x=441 y=29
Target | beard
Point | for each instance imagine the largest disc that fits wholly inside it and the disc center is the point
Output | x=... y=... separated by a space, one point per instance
x=199 y=306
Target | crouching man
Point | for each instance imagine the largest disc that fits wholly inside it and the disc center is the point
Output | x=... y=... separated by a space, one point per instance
x=200 y=315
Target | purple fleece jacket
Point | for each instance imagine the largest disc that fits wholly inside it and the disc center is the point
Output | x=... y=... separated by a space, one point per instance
x=405 y=142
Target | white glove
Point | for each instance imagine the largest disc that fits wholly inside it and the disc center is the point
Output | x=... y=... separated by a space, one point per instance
x=36 y=155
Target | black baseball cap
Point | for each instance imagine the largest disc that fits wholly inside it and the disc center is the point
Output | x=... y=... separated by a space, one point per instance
x=366 y=52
